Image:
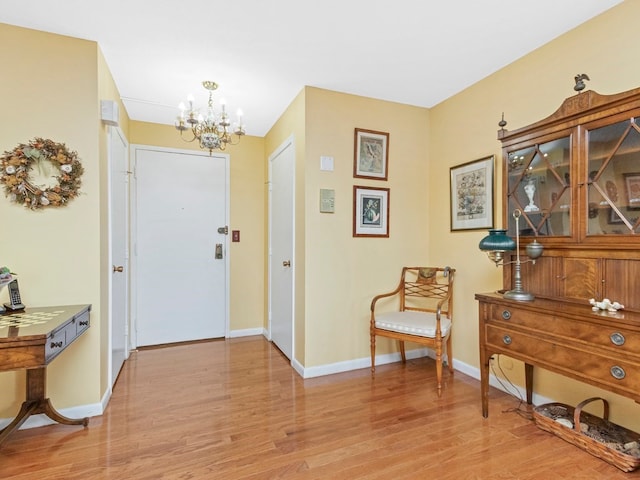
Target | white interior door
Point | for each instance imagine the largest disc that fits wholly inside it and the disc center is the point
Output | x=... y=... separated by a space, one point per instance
x=119 y=221
x=281 y=246
x=181 y=287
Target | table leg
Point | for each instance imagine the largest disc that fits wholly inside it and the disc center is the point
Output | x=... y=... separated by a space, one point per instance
x=26 y=410
x=528 y=381
x=36 y=403
x=36 y=381
x=485 y=358
x=53 y=414
x=484 y=381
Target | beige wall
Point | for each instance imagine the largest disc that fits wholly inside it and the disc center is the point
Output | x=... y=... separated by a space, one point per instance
x=343 y=273
x=50 y=90
x=337 y=274
x=465 y=127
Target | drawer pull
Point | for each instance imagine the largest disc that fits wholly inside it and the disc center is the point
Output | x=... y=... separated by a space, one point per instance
x=506 y=314
x=56 y=344
x=507 y=340
x=617 y=338
x=84 y=323
x=618 y=372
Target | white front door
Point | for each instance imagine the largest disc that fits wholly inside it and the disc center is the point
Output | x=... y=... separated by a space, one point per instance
x=281 y=246
x=181 y=200
x=119 y=221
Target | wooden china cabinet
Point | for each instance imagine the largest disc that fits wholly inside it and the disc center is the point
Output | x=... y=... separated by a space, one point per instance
x=575 y=176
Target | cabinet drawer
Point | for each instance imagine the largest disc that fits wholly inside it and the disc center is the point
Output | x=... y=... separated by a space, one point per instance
x=598 y=335
x=519 y=317
x=615 y=372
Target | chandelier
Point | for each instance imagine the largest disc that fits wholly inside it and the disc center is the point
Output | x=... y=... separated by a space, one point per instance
x=212 y=130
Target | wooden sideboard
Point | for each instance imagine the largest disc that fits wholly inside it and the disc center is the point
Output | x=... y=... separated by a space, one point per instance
x=30 y=339
x=569 y=338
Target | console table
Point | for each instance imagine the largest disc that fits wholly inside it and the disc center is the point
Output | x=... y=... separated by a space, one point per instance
x=30 y=339
x=596 y=347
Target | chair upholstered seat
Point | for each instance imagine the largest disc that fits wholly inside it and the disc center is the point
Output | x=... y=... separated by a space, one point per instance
x=422 y=324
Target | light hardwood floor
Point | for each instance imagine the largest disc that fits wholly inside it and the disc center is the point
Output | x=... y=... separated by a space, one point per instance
x=235 y=409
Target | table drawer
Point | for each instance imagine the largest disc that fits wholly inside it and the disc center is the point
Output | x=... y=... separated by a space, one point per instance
x=60 y=338
x=56 y=342
x=616 y=372
x=22 y=356
x=81 y=322
x=600 y=333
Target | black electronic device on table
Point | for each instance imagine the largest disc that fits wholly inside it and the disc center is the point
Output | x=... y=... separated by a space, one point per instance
x=15 y=303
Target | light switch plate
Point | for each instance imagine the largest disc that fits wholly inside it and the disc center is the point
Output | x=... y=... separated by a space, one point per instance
x=326 y=164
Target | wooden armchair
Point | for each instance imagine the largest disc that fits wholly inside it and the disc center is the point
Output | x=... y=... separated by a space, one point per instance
x=424 y=317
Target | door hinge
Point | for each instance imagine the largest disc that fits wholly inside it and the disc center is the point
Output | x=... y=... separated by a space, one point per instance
x=224 y=230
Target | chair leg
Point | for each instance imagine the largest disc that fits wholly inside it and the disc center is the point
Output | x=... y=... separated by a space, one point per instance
x=439 y=376
x=373 y=352
x=402 y=354
x=449 y=354
x=439 y=366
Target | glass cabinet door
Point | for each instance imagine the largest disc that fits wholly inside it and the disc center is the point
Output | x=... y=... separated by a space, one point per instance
x=614 y=179
x=539 y=184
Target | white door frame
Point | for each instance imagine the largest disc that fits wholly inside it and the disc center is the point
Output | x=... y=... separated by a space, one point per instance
x=133 y=266
x=116 y=130
x=289 y=142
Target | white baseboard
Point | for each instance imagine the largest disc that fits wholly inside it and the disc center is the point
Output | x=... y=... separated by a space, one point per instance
x=356 y=364
x=247 y=332
x=472 y=371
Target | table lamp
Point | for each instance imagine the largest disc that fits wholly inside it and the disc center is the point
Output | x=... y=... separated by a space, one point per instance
x=498 y=242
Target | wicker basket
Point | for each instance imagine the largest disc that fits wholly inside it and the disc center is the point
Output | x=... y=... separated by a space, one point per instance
x=599 y=437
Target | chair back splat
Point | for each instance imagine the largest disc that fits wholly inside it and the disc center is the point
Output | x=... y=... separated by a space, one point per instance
x=424 y=314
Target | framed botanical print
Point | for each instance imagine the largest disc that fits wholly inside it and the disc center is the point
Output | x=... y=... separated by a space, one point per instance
x=472 y=195
x=370 y=212
x=371 y=154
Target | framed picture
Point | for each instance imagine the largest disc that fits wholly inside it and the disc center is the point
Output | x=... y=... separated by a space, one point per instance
x=370 y=212
x=632 y=183
x=472 y=195
x=371 y=154
x=614 y=217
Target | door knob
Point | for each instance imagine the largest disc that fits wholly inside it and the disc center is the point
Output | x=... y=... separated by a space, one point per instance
x=286 y=263
x=119 y=268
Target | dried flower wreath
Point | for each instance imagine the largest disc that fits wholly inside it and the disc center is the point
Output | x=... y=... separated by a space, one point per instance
x=16 y=166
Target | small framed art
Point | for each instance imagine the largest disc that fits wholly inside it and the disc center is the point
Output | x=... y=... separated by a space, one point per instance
x=371 y=154
x=370 y=212
x=632 y=183
x=614 y=217
x=472 y=195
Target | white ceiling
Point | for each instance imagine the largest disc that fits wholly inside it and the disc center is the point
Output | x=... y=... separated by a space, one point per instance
x=262 y=53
